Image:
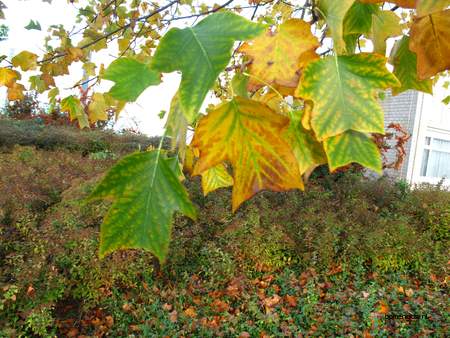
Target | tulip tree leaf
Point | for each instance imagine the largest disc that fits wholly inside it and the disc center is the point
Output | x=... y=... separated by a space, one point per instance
x=334 y=13
x=430 y=40
x=405 y=69
x=247 y=134
x=215 y=178
x=344 y=91
x=74 y=108
x=352 y=147
x=145 y=192
x=33 y=25
x=275 y=55
x=201 y=53
x=131 y=78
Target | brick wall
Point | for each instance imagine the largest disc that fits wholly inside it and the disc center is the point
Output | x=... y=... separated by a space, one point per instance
x=400 y=109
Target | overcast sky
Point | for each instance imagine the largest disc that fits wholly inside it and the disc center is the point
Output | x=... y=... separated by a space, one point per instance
x=145 y=111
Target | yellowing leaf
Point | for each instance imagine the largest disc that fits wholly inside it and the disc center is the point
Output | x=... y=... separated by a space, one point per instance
x=247 y=134
x=334 y=12
x=75 y=54
x=25 y=60
x=385 y=24
x=215 y=178
x=8 y=77
x=352 y=147
x=405 y=69
x=98 y=108
x=176 y=127
x=73 y=106
x=15 y=92
x=344 y=92
x=275 y=55
x=426 y=7
x=201 y=53
x=145 y=192
x=430 y=40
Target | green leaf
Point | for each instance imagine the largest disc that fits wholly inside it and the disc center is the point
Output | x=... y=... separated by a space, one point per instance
x=446 y=100
x=131 y=77
x=201 y=53
x=334 y=12
x=33 y=25
x=38 y=84
x=344 y=91
x=73 y=106
x=405 y=69
x=385 y=24
x=352 y=147
x=145 y=192
x=357 y=22
x=307 y=150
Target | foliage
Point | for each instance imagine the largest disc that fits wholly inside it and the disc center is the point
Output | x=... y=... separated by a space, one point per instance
x=337 y=259
x=270 y=72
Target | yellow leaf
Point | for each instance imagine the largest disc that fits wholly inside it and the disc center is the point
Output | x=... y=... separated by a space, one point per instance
x=15 y=92
x=75 y=53
x=430 y=40
x=401 y=3
x=247 y=134
x=25 y=60
x=426 y=7
x=215 y=178
x=8 y=77
x=385 y=24
x=97 y=108
x=277 y=56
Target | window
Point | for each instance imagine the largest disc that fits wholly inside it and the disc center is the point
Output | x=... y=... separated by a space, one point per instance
x=436 y=158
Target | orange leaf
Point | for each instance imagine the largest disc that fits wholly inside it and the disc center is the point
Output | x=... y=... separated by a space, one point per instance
x=384 y=308
x=190 y=312
x=247 y=134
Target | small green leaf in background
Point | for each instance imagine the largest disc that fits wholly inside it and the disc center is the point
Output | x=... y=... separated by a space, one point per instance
x=334 y=13
x=73 y=106
x=33 y=25
x=201 y=53
x=145 y=192
x=405 y=69
x=352 y=147
x=131 y=78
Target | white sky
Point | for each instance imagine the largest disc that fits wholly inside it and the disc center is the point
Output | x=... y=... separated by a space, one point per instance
x=144 y=112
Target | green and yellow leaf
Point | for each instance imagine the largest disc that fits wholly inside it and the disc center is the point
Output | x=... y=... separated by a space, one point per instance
x=344 y=92
x=98 y=108
x=352 y=147
x=25 y=60
x=145 y=192
x=74 y=108
x=385 y=24
x=215 y=178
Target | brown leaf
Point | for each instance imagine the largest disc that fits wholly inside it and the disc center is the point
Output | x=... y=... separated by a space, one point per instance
x=73 y=332
x=409 y=292
x=109 y=321
x=190 y=312
x=220 y=306
x=291 y=300
x=272 y=301
x=173 y=316
x=126 y=307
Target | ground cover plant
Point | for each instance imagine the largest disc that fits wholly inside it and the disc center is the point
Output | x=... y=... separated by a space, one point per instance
x=297 y=89
x=348 y=257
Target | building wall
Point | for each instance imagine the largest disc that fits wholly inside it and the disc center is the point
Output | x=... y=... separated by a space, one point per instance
x=400 y=109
